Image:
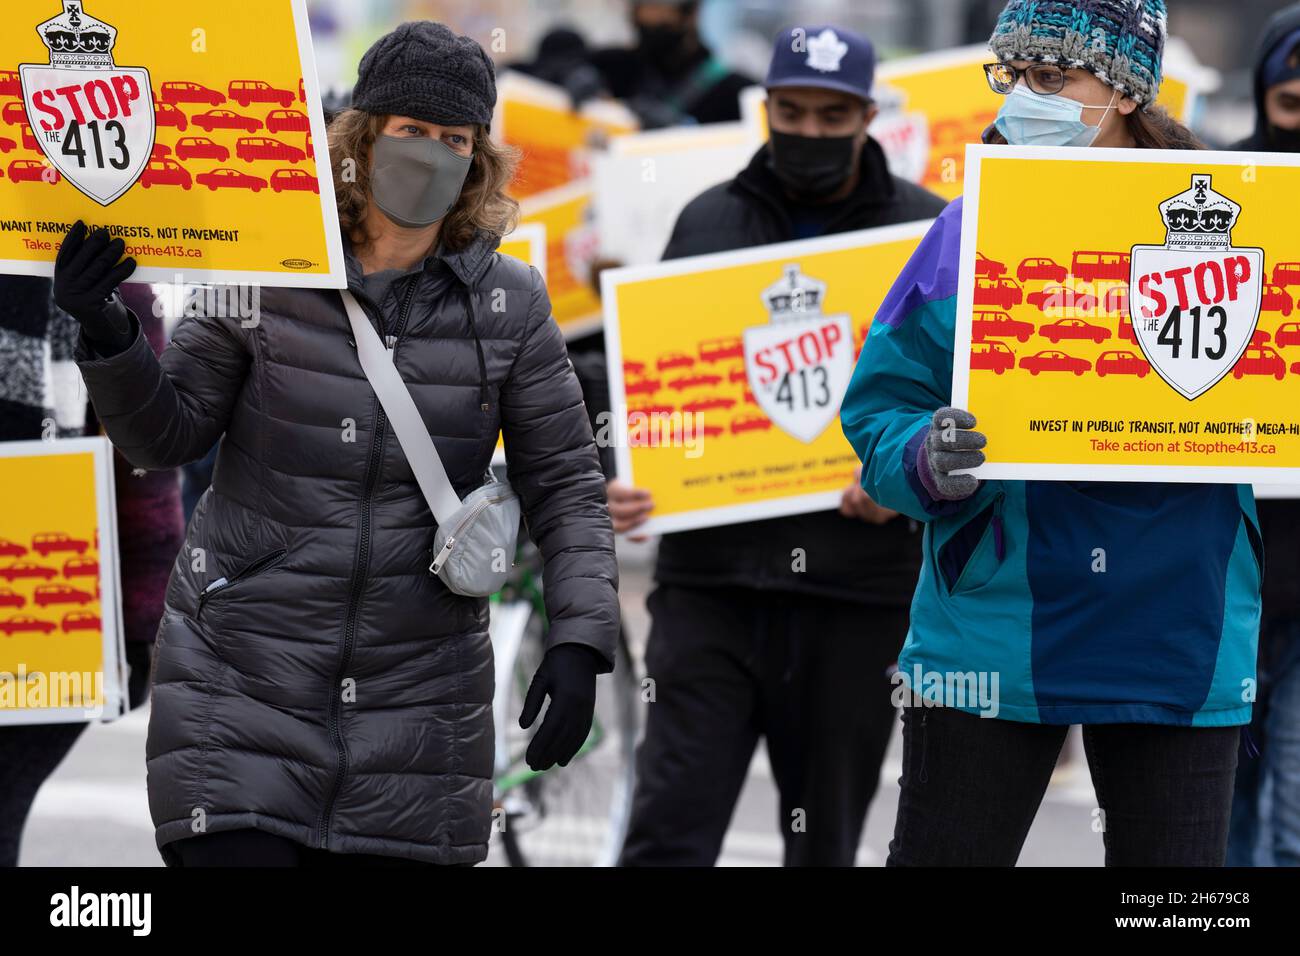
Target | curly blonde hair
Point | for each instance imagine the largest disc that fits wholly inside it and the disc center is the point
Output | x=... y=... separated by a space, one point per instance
x=483 y=204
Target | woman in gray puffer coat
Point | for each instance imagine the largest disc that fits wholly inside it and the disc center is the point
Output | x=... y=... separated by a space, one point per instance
x=317 y=691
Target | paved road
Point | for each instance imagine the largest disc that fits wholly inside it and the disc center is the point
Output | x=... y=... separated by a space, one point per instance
x=93 y=811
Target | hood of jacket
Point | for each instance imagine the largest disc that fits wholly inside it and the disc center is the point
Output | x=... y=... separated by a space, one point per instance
x=1283 y=23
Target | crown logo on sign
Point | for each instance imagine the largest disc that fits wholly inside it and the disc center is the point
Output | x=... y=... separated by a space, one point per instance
x=1199 y=217
x=825 y=51
x=794 y=296
x=78 y=40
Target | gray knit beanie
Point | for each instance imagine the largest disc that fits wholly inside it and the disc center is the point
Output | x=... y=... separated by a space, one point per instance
x=425 y=71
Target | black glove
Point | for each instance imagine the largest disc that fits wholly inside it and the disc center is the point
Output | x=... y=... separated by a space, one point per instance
x=86 y=276
x=568 y=673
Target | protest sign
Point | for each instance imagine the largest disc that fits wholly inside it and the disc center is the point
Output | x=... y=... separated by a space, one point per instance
x=727 y=371
x=572 y=246
x=193 y=138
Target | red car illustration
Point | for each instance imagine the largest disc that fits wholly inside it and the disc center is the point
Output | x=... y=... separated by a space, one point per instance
x=1260 y=360
x=7 y=145
x=713 y=431
x=704 y=404
x=1260 y=337
x=81 y=568
x=989 y=268
x=1116 y=301
x=749 y=398
x=165 y=172
x=200 y=147
x=749 y=423
x=27 y=569
x=11 y=598
x=1064 y=329
x=738 y=375
x=227 y=178
x=715 y=350
x=226 y=119
x=47 y=594
x=1122 y=363
x=302 y=92
x=1288 y=333
x=294 y=179
x=1126 y=331
x=1040 y=268
x=1059 y=298
x=311 y=153
x=674 y=360
x=633 y=368
x=1003 y=292
x=160 y=151
x=25 y=622
x=1275 y=299
x=1090 y=265
x=1053 y=361
x=250 y=148
x=29 y=139
x=81 y=621
x=1000 y=325
x=644 y=386
x=13 y=113
x=287 y=121
x=164 y=114
x=48 y=542
x=10 y=84
x=991 y=357
x=182 y=92
x=32 y=171
x=11 y=549
x=1286 y=273
x=693 y=381
x=245 y=92
x=651 y=410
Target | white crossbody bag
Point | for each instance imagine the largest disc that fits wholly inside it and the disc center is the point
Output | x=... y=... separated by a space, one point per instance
x=475 y=543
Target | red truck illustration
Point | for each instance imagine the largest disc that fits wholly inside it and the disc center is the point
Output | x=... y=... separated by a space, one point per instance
x=750 y=423
x=694 y=381
x=1121 y=362
x=10 y=84
x=1115 y=301
x=991 y=357
x=292 y=180
x=1073 y=329
x=1286 y=273
x=715 y=350
x=46 y=543
x=1003 y=292
x=179 y=91
x=226 y=178
x=1260 y=360
x=200 y=147
x=651 y=410
x=287 y=121
x=165 y=172
x=1091 y=265
x=644 y=386
x=674 y=360
x=989 y=268
x=252 y=148
x=81 y=621
x=1041 y=268
x=47 y=594
x=1000 y=325
x=633 y=368
x=226 y=119
x=245 y=92
x=705 y=404
x=738 y=375
x=1053 y=361
x=19 y=623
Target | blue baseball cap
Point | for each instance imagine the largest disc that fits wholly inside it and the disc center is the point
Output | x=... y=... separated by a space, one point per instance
x=831 y=58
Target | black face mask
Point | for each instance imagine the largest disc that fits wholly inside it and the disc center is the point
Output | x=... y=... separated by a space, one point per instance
x=811 y=167
x=1284 y=140
x=661 y=44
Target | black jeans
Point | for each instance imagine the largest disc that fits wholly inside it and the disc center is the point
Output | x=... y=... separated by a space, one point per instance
x=971 y=787
x=249 y=847
x=810 y=674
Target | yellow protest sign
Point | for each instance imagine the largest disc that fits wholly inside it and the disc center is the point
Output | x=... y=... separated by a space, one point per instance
x=60 y=625
x=527 y=242
x=193 y=138
x=572 y=247
x=556 y=142
x=1129 y=314
x=726 y=373
x=934 y=104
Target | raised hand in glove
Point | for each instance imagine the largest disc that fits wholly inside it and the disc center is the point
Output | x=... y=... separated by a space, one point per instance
x=568 y=674
x=950 y=446
x=86 y=276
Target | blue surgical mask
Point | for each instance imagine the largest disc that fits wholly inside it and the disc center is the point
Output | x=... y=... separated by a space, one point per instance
x=1032 y=119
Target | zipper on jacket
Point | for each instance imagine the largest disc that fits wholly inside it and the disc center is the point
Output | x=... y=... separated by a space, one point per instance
x=362 y=560
x=441 y=557
x=221 y=584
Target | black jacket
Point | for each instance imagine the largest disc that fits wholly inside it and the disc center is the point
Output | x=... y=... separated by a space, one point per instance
x=846 y=558
x=702 y=90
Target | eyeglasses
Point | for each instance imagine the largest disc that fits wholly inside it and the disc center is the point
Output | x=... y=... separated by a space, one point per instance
x=1042 y=78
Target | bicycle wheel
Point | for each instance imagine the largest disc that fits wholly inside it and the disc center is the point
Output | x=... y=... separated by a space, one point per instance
x=575 y=815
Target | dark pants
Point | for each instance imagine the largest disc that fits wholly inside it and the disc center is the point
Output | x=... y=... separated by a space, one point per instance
x=250 y=847
x=971 y=787
x=809 y=674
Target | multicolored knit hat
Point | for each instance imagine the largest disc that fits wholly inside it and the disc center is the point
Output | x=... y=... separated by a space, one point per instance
x=1120 y=41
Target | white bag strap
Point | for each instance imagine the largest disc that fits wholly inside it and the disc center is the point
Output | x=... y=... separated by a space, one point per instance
x=377 y=363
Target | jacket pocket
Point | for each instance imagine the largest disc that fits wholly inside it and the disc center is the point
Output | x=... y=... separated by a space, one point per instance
x=224 y=584
x=973 y=554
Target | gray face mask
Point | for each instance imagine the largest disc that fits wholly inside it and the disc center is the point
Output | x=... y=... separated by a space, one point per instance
x=415 y=179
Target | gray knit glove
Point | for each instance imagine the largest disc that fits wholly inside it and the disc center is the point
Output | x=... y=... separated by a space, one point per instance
x=950 y=445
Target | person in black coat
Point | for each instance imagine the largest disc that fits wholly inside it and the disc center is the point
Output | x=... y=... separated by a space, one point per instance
x=1275 y=726
x=746 y=641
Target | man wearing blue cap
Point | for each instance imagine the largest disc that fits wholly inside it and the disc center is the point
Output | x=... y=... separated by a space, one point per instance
x=784 y=628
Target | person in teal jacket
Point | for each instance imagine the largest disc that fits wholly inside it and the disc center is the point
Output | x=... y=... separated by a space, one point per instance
x=1129 y=608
